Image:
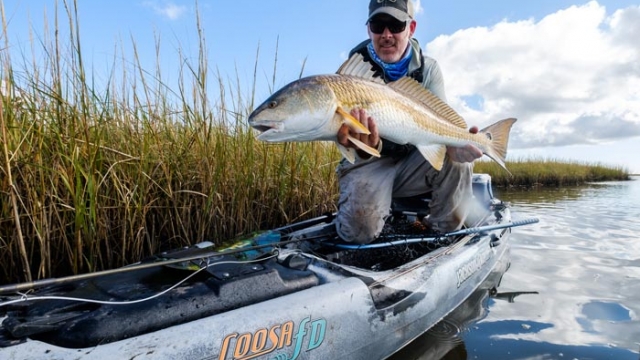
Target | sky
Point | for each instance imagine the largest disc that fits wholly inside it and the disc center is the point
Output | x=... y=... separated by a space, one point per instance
x=569 y=70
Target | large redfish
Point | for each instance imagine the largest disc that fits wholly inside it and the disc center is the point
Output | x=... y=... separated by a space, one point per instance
x=315 y=107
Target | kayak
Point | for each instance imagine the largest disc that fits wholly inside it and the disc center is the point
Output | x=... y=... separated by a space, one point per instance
x=296 y=292
x=447 y=339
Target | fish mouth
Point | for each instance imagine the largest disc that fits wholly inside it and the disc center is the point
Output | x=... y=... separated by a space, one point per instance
x=262 y=128
x=267 y=129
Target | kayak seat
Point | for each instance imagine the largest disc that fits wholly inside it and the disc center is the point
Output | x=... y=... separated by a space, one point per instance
x=418 y=204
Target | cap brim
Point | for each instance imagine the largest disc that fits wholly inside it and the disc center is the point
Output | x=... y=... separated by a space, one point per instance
x=398 y=14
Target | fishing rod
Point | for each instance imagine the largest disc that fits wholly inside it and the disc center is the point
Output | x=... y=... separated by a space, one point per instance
x=282 y=233
x=472 y=230
x=199 y=254
x=59 y=281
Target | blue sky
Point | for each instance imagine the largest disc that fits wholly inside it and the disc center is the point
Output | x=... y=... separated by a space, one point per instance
x=568 y=70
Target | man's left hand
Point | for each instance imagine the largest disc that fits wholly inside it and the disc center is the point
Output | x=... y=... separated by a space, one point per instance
x=467 y=153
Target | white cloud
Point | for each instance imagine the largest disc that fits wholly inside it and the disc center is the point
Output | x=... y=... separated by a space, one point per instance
x=417 y=7
x=572 y=77
x=167 y=9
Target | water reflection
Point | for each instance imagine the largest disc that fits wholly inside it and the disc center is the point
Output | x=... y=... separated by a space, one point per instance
x=583 y=258
x=446 y=340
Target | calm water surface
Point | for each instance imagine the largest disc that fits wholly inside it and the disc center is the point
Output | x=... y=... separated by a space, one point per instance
x=573 y=288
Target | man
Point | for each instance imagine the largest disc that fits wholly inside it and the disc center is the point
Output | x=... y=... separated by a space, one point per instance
x=368 y=186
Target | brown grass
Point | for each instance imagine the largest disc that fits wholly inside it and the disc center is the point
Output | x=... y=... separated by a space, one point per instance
x=98 y=177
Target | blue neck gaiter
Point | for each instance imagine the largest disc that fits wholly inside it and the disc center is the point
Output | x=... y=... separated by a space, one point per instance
x=392 y=71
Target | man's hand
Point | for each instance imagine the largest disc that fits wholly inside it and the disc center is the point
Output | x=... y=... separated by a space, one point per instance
x=468 y=153
x=372 y=139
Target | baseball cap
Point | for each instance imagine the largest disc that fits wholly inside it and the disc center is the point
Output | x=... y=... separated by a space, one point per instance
x=399 y=9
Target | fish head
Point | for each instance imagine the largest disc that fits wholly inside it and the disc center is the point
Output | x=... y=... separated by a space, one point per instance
x=301 y=111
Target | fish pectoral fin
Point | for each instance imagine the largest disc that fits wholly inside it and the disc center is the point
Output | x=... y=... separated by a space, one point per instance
x=348 y=153
x=434 y=154
x=351 y=122
x=364 y=147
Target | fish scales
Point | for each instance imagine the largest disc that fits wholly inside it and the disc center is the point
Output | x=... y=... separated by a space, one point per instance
x=314 y=108
x=400 y=118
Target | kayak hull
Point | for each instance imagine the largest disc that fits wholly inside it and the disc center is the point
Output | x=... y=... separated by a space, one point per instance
x=337 y=311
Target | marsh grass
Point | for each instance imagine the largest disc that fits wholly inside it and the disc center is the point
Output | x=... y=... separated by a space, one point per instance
x=98 y=177
x=529 y=173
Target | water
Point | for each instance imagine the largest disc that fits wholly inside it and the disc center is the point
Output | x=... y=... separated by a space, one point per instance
x=573 y=288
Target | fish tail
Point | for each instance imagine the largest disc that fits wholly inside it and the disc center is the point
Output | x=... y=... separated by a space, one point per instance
x=498 y=133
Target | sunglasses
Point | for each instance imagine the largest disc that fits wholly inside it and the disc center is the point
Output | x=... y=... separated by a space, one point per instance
x=395 y=26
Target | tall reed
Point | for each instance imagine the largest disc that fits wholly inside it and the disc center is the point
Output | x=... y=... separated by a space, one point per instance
x=98 y=176
x=104 y=176
x=549 y=172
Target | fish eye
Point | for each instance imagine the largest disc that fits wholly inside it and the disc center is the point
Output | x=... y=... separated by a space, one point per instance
x=489 y=136
x=272 y=104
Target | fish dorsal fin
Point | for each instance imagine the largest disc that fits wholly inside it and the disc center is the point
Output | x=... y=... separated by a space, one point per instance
x=356 y=66
x=411 y=88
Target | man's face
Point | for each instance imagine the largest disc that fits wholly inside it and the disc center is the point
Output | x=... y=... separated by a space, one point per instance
x=390 y=37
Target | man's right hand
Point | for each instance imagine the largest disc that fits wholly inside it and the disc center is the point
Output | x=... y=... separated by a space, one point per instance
x=373 y=139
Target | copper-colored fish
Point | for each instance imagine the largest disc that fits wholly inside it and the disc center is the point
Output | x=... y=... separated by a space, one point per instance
x=315 y=107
